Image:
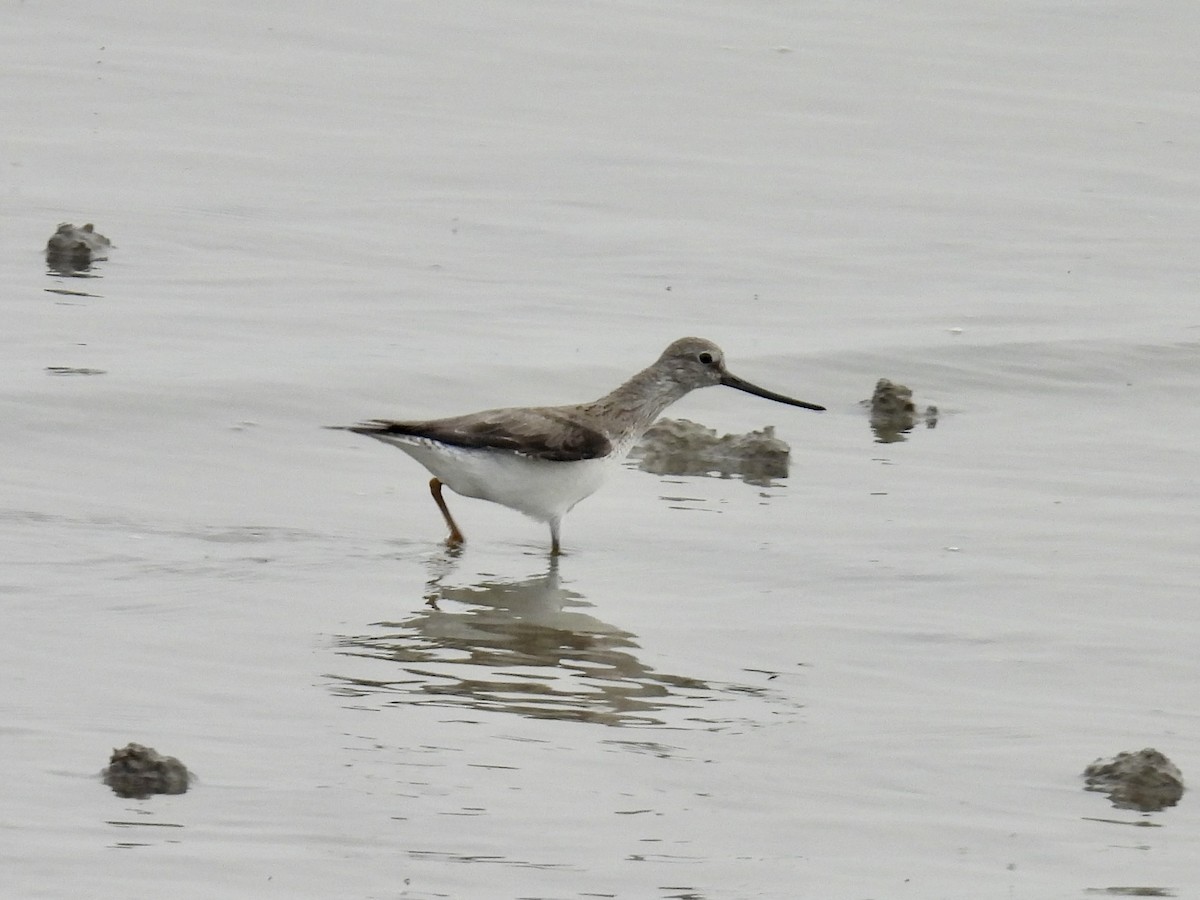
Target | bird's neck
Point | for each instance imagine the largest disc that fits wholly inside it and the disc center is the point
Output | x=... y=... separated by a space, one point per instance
x=638 y=403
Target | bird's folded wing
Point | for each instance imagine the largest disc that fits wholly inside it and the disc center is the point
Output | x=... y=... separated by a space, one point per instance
x=540 y=434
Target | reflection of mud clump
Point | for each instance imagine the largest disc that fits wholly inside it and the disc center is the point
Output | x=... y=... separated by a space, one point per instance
x=1145 y=780
x=72 y=249
x=680 y=447
x=137 y=771
x=893 y=412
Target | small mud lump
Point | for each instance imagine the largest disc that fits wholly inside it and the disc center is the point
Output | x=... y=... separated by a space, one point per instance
x=137 y=771
x=1145 y=780
x=72 y=249
x=893 y=412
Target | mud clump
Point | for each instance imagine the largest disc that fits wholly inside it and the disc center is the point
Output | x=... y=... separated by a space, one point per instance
x=1145 y=780
x=71 y=250
x=893 y=412
x=680 y=447
x=136 y=771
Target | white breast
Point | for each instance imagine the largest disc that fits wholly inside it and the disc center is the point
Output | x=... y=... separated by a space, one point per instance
x=539 y=488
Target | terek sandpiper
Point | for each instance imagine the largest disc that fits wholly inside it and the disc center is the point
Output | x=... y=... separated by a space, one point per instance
x=542 y=460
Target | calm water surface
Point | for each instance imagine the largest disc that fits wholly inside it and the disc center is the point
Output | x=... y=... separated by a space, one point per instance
x=880 y=677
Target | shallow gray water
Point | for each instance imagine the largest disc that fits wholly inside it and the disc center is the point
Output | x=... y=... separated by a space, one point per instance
x=881 y=677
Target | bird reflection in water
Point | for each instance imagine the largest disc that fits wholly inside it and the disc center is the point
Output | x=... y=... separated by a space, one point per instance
x=528 y=647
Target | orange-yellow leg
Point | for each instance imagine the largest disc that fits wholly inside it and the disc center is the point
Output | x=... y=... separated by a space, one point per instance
x=456 y=536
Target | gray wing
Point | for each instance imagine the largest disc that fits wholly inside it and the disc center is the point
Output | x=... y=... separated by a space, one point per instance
x=548 y=434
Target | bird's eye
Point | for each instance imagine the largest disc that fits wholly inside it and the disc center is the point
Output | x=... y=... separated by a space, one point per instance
x=705 y=358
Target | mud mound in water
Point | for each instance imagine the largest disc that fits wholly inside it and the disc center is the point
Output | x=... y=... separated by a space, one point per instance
x=681 y=447
x=893 y=412
x=137 y=771
x=1145 y=780
x=71 y=250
